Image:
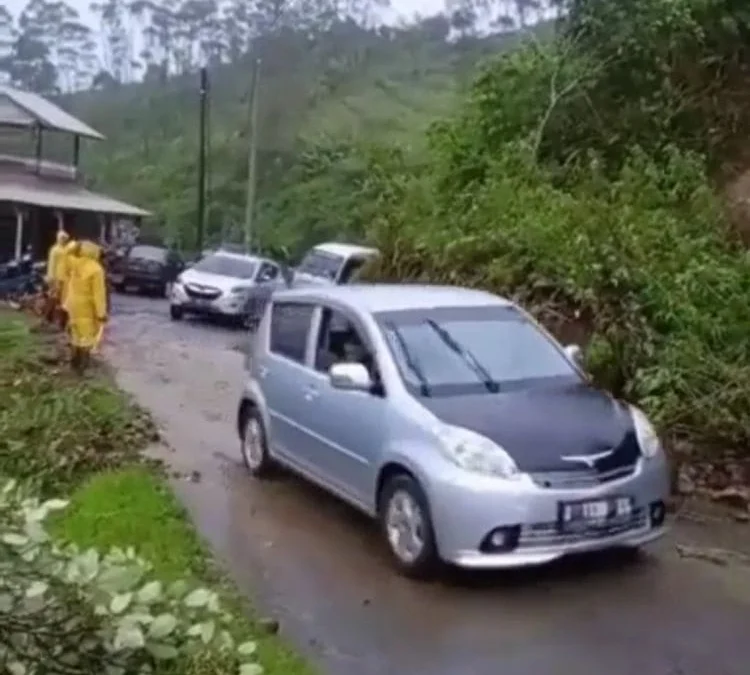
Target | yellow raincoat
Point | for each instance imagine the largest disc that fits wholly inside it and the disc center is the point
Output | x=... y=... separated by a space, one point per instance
x=55 y=265
x=86 y=299
x=65 y=267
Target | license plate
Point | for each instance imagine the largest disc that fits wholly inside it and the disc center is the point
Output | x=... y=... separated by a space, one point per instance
x=594 y=513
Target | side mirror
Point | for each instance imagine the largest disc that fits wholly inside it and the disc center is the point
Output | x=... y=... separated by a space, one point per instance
x=574 y=353
x=350 y=376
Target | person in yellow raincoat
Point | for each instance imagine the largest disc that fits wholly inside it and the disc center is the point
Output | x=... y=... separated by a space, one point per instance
x=86 y=302
x=55 y=266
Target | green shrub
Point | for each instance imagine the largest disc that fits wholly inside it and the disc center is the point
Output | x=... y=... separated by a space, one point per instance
x=63 y=610
x=642 y=260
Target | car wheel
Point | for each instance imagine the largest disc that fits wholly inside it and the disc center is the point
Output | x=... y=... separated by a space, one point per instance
x=253 y=445
x=407 y=527
x=175 y=312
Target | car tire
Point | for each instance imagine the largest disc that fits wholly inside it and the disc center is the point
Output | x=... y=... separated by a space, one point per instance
x=402 y=492
x=175 y=312
x=253 y=444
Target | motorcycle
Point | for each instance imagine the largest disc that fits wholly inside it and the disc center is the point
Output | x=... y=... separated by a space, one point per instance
x=19 y=278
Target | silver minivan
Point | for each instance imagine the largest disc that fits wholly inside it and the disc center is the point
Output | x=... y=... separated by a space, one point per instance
x=453 y=418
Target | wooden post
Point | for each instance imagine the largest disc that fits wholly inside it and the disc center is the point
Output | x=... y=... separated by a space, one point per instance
x=102 y=229
x=60 y=221
x=38 y=129
x=19 y=234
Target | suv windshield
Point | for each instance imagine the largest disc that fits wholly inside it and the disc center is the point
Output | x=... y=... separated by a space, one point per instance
x=318 y=263
x=149 y=253
x=460 y=350
x=227 y=266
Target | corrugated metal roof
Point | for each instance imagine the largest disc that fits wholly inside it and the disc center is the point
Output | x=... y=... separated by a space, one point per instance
x=58 y=194
x=12 y=114
x=49 y=115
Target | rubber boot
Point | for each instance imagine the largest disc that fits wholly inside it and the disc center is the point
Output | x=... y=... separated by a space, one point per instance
x=85 y=360
x=76 y=360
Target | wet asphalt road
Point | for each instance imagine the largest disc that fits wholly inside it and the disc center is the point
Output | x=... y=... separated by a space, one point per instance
x=320 y=569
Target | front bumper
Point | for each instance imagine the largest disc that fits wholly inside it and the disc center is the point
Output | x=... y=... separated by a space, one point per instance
x=225 y=305
x=466 y=508
x=137 y=279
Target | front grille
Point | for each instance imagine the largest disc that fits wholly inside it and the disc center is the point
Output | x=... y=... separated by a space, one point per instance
x=546 y=534
x=202 y=292
x=620 y=464
x=584 y=478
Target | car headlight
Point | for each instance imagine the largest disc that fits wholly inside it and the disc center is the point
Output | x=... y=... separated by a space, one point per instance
x=476 y=453
x=648 y=439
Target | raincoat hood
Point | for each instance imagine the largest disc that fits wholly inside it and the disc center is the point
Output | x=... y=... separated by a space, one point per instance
x=62 y=237
x=72 y=247
x=90 y=250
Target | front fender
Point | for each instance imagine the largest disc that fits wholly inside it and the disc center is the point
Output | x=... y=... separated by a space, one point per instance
x=252 y=395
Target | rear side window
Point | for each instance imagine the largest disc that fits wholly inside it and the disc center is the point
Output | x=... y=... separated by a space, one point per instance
x=290 y=325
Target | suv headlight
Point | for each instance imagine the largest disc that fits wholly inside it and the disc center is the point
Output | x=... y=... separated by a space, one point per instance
x=648 y=439
x=476 y=453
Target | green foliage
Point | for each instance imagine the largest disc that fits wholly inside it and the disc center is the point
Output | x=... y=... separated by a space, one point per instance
x=56 y=429
x=70 y=611
x=642 y=261
x=613 y=236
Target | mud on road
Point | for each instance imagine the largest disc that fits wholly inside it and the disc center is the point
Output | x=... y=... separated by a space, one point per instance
x=320 y=569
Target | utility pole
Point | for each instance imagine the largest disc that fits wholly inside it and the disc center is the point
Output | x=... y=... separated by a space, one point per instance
x=252 y=124
x=202 y=160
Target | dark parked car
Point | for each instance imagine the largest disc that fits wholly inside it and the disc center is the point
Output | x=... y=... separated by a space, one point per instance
x=147 y=267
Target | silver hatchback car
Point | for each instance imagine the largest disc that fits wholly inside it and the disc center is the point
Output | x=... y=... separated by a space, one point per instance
x=453 y=418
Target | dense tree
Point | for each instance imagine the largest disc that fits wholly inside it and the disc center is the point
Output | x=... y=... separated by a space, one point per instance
x=47 y=48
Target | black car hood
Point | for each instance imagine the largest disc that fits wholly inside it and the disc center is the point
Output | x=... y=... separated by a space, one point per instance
x=538 y=427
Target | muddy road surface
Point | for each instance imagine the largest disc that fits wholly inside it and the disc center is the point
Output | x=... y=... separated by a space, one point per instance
x=321 y=571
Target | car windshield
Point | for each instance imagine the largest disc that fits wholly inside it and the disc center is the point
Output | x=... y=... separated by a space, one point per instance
x=227 y=266
x=459 y=350
x=149 y=253
x=318 y=263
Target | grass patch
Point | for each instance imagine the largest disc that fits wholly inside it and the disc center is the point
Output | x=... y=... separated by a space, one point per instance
x=134 y=507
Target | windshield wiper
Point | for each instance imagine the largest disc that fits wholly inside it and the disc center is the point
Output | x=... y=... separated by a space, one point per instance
x=466 y=355
x=424 y=385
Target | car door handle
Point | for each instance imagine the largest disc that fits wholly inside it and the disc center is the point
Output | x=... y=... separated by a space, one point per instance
x=311 y=393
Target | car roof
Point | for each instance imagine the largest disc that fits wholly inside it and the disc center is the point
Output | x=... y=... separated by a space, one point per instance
x=237 y=256
x=395 y=297
x=345 y=250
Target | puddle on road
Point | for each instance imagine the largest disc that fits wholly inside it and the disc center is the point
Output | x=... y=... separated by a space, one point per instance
x=320 y=568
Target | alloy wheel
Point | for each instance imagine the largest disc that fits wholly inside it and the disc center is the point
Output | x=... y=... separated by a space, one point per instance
x=405 y=526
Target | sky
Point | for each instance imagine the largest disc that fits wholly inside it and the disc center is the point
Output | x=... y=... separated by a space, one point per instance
x=403 y=8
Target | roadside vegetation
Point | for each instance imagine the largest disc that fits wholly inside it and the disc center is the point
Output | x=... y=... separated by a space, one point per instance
x=100 y=570
x=583 y=176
